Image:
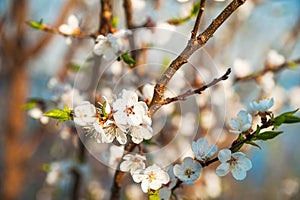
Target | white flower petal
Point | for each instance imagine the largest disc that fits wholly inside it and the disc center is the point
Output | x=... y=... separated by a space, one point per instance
x=223 y=169
x=238 y=173
x=224 y=155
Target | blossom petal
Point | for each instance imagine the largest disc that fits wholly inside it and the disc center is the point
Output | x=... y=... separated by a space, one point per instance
x=238 y=172
x=223 y=169
x=224 y=155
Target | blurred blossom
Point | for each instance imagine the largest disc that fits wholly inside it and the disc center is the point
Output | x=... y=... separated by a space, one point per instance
x=209 y=187
x=242 y=123
x=236 y=162
x=115 y=155
x=72 y=26
x=71 y=98
x=261 y=106
x=294 y=95
x=201 y=149
x=213 y=186
x=267 y=81
x=207 y=118
x=245 y=10
x=95 y=190
x=241 y=67
x=134 y=192
x=37 y=113
x=187 y=124
x=188 y=171
x=274 y=58
x=290 y=186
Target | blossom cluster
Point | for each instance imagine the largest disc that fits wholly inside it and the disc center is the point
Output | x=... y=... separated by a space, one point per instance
x=126 y=117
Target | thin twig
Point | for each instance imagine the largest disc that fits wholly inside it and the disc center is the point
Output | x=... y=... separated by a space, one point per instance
x=191 y=47
x=199 y=90
x=267 y=69
x=198 y=19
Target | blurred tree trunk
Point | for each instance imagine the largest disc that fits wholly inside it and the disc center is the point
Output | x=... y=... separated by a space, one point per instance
x=15 y=53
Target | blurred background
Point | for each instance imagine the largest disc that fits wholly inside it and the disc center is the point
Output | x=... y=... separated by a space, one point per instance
x=41 y=159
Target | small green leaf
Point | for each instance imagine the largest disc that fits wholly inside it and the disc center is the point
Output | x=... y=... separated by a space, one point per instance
x=104 y=113
x=114 y=22
x=268 y=135
x=61 y=115
x=292 y=65
x=46 y=167
x=35 y=24
x=29 y=105
x=253 y=144
x=128 y=59
x=195 y=9
x=153 y=195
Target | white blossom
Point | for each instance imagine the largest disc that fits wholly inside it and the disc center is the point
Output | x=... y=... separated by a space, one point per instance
x=236 y=162
x=153 y=177
x=96 y=132
x=132 y=163
x=261 y=106
x=141 y=132
x=113 y=131
x=71 y=27
x=85 y=114
x=115 y=155
x=188 y=171
x=106 y=46
x=128 y=110
x=201 y=149
x=242 y=123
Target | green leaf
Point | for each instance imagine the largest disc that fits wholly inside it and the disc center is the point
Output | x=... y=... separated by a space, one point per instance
x=153 y=195
x=128 y=59
x=46 y=167
x=287 y=117
x=195 y=9
x=292 y=65
x=253 y=144
x=114 y=22
x=104 y=110
x=61 y=115
x=268 y=135
x=35 y=24
x=257 y=130
x=29 y=105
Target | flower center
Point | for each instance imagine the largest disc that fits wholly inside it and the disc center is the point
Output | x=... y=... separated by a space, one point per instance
x=151 y=177
x=129 y=110
x=188 y=172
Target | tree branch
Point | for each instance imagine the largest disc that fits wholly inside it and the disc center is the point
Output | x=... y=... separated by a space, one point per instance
x=191 y=47
x=105 y=18
x=267 y=69
x=197 y=91
x=198 y=19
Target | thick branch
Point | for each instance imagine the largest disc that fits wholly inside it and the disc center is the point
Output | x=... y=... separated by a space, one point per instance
x=199 y=90
x=198 y=19
x=191 y=47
